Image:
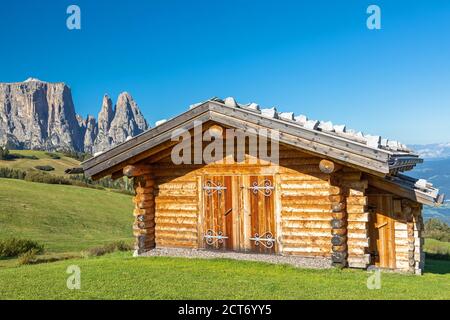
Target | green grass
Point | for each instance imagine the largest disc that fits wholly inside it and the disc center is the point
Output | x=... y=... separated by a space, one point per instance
x=63 y=218
x=120 y=276
x=436 y=247
x=44 y=160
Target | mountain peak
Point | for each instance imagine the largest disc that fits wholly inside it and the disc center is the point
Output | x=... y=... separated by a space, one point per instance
x=33 y=80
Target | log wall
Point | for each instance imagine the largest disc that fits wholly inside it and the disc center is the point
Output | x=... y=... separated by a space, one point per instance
x=320 y=210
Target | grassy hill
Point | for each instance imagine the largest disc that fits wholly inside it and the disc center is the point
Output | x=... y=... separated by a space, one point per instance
x=43 y=160
x=63 y=218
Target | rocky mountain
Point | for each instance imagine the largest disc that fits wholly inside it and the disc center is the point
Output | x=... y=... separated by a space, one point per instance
x=39 y=115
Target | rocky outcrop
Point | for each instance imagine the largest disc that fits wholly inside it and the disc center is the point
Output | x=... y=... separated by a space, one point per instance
x=38 y=115
x=41 y=115
x=106 y=115
x=128 y=120
x=115 y=126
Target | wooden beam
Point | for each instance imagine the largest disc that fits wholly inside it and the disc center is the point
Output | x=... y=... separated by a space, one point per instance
x=136 y=170
x=116 y=175
x=327 y=166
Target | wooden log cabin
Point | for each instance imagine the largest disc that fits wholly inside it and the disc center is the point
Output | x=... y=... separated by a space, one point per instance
x=330 y=193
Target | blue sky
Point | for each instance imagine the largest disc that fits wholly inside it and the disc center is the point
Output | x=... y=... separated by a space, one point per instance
x=311 y=57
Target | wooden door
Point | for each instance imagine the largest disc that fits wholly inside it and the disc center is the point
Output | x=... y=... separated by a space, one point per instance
x=382 y=231
x=262 y=218
x=218 y=230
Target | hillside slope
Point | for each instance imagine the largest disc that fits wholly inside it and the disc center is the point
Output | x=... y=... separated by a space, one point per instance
x=63 y=218
x=43 y=160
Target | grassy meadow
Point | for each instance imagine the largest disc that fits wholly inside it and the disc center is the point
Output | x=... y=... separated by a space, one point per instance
x=120 y=276
x=43 y=160
x=63 y=218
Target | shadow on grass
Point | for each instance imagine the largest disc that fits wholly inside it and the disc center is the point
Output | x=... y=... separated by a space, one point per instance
x=435 y=264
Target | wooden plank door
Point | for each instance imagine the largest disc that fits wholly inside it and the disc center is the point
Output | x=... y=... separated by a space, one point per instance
x=262 y=219
x=382 y=231
x=218 y=226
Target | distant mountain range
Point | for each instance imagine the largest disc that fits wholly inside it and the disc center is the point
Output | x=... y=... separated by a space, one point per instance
x=432 y=151
x=40 y=115
x=436 y=169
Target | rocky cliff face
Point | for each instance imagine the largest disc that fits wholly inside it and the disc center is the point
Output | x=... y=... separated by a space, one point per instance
x=41 y=115
x=38 y=115
x=115 y=126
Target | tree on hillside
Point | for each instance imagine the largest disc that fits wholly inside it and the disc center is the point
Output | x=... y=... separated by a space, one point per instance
x=437 y=229
x=4 y=153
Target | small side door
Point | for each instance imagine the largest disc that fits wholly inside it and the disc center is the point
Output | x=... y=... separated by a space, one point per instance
x=382 y=231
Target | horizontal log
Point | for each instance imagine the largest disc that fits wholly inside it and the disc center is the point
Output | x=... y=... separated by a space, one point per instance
x=363 y=201
x=337 y=206
x=339 y=256
x=357 y=234
x=356 y=225
x=171 y=235
x=308 y=208
x=176 y=220
x=327 y=166
x=358 y=217
x=318 y=232
x=175 y=227
x=306 y=249
x=339 y=215
x=356 y=209
x=306 y=224
x=356 y=185
x=339 y=232
x=167 y=243
x=305 y=185
x=307 y=254
x=144 y=190
x=136 y=170
x=177 y=213
x=139 y=211
x=173 y=206
x=143 y=197
x=146 y=205
x=178 y=186
x=338 y=240
x=337 y=223
x=341 y=248
x=301 y=177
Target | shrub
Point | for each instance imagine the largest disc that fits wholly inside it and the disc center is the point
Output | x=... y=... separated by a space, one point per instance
x=14 y=247
x=4 y=153
x=12 y=173
x=437 y=229
x=45 y=168
x=53 y=155
x=42 y=177
x=109 y=248
x=13 y=156
x=28 y=257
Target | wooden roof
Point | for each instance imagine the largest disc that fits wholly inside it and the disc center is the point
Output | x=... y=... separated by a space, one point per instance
x=375 y=160
x=383 y=162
